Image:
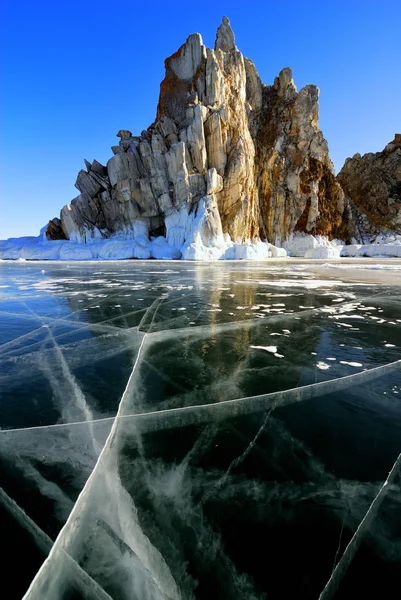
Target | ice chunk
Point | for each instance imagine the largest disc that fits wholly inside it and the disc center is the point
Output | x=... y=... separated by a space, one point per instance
x=162 y=250
x=323 y=252
x=70 y=251
x=117 y=249
x=309 y=246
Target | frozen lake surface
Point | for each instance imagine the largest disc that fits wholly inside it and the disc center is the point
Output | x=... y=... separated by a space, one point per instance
x=258 y=419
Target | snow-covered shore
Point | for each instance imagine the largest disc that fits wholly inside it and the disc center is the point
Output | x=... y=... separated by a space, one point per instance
x=122 y=247
x=308 y=246
x=125 y=247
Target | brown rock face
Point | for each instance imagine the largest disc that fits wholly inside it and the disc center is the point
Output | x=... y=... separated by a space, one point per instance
x=373 y=184
x=295 y=181
x=254 y=152
x=55 y=230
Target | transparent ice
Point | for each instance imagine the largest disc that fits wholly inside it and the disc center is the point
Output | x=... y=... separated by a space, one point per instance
x=199 y=431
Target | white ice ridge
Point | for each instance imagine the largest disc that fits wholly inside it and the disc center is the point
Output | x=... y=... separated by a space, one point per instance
x=59 y=425
x=338 y=573
x=188 y=415
x=44 y=543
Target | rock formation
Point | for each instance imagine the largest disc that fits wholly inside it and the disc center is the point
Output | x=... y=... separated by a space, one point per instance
x=54 y=230
x=373 y=184
x=226 y=156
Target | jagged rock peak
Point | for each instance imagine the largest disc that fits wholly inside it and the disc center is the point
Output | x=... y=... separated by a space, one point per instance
x=178 y=88
x=284 y=83
x=186 y=61
x=225 y=39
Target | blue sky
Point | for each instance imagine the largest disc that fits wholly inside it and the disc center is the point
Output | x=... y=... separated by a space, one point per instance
x=73 y=73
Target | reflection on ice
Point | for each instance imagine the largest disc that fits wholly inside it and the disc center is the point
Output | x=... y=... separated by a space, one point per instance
x=198 y=433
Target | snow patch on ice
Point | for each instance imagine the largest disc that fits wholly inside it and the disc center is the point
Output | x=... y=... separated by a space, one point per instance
x=272 y=349
x=351 y=364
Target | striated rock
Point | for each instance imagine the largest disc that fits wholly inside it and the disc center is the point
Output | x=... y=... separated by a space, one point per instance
x=372 y=183
x=226 y=156
x=55 y=230
x=295 y=178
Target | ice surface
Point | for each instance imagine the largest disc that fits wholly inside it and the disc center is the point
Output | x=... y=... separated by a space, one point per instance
x=170 y=432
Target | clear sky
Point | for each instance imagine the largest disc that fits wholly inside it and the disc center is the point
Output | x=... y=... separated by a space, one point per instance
x=73 y=73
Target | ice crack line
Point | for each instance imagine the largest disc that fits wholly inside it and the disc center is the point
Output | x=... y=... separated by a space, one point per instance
x=155 y=308
x=203 y=330
x=237 y=461
x=76 y=392
x=238 y=406
x=8 y=348
x=337 y=575
x=177 y=417
x=85 y=490
x=44 y=542
x=57 y=425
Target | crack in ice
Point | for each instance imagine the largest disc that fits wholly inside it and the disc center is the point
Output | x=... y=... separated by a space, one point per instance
x=45 y=543
x=237 y=461
x=245 y=405
x=337 y=575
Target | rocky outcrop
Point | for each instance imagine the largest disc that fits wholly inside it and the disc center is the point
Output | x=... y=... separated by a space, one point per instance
x=295 y=181
x=54 y=230
x=251 y=158
x=372 y=182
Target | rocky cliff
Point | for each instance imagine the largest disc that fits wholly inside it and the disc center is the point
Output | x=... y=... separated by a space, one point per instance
x=372 y=182
x=226 y=156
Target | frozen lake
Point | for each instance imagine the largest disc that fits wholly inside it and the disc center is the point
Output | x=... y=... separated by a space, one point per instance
x=259 y=417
